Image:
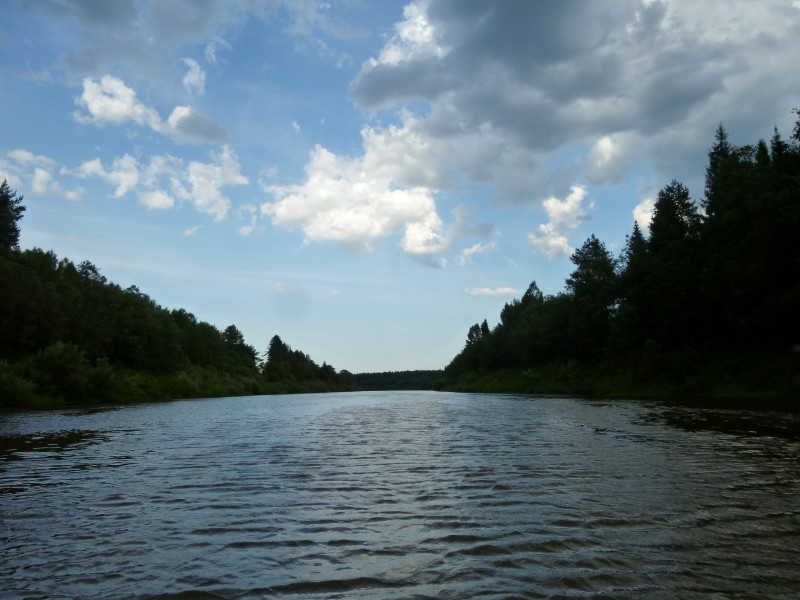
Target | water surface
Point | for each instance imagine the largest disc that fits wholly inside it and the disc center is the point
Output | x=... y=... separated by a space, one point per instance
x=400 y=495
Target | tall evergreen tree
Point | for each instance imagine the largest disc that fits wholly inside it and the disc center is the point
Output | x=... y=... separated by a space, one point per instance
x=593 y=287
x=675 y=270
x=675 y=218
x=719 y=153
x=634 y=319
x=778 y=147
x=11 y=209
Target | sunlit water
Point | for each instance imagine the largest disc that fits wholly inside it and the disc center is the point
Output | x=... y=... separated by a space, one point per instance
x=400 y=495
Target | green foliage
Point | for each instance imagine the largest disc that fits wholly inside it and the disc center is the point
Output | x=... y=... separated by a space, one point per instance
x=62 y=371
x=70 y=336
x=15 y=389
x=680 y=308
x=593 y=290
x=291 y=371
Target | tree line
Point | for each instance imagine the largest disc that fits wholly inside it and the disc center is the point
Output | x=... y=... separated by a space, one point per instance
x=705 y=301
x=70 y=335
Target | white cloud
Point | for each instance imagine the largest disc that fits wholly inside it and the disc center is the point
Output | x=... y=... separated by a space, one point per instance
x=124 y=173
x=491 y=292
x=198 y=183
x=643 y=212
x=195 y=78
x=466 y=255
x=295 y=127
x=249 y=212
x=42 y=180
x=25 y=170
x=211 y=49
x=185 y=124
x=28 y=158
x=609 y=158
x=414 y=38
x=207 y=179
x=192 y=230
x=357 y=201
x=111 y=101
x=565 y=215
x=648 y=80
x=156 y=199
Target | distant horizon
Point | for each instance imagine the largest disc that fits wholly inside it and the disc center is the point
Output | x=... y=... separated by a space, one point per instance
x=368 y=180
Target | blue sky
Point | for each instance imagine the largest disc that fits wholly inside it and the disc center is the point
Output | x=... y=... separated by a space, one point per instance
x=369 y=179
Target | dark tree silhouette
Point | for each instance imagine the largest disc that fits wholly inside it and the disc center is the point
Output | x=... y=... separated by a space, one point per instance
x=11 y=209
x=719 y=153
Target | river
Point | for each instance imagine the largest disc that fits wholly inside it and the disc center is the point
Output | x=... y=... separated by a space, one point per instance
x=400 y=495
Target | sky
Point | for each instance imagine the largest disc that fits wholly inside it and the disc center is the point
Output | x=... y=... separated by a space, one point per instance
x=369 y=179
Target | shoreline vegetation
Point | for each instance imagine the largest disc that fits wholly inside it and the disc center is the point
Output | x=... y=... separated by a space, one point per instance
x=703 y=305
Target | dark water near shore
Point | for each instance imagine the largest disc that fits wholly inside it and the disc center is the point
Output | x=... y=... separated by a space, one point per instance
x=400 y=495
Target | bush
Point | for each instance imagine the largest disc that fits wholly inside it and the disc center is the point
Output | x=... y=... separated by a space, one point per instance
x=63 y=371
x=15 y=390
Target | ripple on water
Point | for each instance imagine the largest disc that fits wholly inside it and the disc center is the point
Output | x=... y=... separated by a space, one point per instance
x=400 y=496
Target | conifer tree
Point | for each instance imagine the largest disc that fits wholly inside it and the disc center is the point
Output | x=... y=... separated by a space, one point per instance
x=11 y=209
x=719 y=153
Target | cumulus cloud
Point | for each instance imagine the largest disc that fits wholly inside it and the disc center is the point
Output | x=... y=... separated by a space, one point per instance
x=110 y=100
x=42 y=180
x=624 y=77
x=198 y=183
x=414 y=38
x=123 y=173
x=491 y=292
x=643 y=212
x=187 y=125
x=609 y=158
x=465 y=257
x=357 y=201
x=565 y=215
x=156 y=199
x=204 y=182
x=35 y=172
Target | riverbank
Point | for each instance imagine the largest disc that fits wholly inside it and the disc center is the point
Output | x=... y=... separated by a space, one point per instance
x=112 y=385
x=764 y=383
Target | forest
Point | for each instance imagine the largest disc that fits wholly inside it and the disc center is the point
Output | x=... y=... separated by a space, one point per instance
x=69 y=336
x=705 y=302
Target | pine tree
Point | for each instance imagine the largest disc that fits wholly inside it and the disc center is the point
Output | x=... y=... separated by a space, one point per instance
x=11 y=209
x=592 y=286
x=719 y=153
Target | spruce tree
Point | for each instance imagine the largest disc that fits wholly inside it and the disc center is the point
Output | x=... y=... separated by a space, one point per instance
x=719 y=153
x=11 y=209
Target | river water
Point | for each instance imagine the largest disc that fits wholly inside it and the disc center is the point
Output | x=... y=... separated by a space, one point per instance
x=400 y=495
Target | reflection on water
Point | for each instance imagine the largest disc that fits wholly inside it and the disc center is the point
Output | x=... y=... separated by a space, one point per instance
x=736 y=422
x=400 y=495
x=18 y=447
